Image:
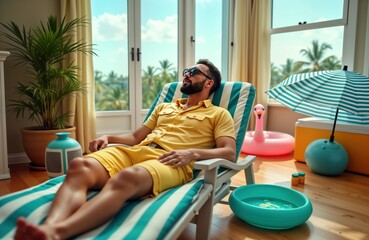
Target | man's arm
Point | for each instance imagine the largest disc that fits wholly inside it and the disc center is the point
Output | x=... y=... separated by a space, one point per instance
x=129 y=139
x=225 y=148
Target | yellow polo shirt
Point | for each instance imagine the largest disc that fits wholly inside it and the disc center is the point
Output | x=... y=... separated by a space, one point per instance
x=173 y=128
x=196 y=127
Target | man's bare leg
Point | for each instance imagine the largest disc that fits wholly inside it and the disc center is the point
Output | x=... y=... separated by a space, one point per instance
x=83 y=174
x=129 y=183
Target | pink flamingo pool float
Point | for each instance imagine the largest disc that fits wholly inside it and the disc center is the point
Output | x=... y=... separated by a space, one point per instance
x=266 y=143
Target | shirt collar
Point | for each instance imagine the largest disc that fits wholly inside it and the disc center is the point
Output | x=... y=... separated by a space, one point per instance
x=207 y=103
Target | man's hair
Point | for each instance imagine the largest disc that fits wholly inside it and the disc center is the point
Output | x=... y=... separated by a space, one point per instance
x=214 y=73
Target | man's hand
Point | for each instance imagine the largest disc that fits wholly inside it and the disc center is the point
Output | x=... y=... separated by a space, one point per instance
x=98 y=143
x=177 y=158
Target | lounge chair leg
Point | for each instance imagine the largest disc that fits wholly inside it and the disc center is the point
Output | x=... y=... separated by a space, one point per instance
x=204 y=220
x=249 y=175
x=249 y=171
x=206 y=212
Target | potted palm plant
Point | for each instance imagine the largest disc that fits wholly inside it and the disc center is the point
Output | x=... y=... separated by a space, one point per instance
x=42 y=49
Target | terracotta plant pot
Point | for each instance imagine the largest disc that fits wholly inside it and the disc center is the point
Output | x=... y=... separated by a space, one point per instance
x=35 y=142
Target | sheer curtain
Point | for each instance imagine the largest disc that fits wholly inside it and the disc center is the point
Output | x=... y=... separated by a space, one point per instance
x=251 y=52
x=83 y=105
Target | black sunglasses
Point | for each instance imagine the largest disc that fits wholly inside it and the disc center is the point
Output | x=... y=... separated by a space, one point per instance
x=193 y=71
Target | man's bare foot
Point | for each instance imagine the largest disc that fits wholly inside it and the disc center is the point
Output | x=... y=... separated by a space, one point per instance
x=29 y=231
x=20 y=232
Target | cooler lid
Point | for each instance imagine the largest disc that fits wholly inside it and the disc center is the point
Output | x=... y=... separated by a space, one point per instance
x=321 y=123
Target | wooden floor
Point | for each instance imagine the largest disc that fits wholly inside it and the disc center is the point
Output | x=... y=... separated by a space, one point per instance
x=340 y=203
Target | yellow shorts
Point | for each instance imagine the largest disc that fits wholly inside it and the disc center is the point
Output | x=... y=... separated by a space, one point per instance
x=116 y=158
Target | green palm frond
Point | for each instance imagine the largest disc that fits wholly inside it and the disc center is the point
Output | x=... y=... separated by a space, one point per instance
x=43 y=49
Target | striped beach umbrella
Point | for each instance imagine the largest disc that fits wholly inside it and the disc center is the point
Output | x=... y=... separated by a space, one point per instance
x=338 y=95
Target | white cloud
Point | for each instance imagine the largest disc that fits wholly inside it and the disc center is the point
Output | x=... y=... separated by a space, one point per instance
x=160 y=30
x=109 y=27
x=114 y=27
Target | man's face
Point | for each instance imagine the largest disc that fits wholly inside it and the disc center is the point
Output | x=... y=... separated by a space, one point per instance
x=191 y=88
x=194 y=81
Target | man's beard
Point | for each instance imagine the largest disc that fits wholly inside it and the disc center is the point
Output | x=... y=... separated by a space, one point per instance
x=192 y=88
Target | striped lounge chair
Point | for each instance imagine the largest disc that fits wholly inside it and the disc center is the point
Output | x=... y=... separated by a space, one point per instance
x=167 y=215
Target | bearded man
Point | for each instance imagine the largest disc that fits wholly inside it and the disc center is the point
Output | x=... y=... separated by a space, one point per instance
x=162 y=155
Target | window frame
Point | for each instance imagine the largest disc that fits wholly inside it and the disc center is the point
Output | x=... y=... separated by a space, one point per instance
x=348 y=21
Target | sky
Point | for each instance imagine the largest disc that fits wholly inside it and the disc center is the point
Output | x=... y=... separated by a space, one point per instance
x=159 y=31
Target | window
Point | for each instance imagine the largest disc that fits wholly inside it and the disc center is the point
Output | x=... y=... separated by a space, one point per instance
x=144 y=38
x=143 y=44
x=288 y=13
x=155 y=47
x=159 y=43
x=110 y=37
x=308 y=35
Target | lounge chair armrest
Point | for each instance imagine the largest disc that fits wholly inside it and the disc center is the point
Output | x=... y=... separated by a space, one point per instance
x=220 y=162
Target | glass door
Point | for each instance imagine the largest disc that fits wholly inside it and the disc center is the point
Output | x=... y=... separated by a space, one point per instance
x=110 y=37
x=137 y=47
x=159 y=43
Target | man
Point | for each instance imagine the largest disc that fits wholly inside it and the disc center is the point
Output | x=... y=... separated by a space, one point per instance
x=162 y=155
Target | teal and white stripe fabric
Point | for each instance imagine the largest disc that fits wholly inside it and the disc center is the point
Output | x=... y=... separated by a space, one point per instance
x=150 y=218
x=320 y=93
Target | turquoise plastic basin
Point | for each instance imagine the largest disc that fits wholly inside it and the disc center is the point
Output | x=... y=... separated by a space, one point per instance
x=270 y=206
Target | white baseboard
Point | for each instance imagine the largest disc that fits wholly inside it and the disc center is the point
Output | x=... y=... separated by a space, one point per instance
x=4 y=176
x=18 y=158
